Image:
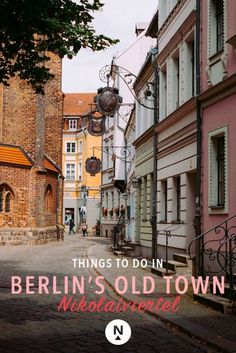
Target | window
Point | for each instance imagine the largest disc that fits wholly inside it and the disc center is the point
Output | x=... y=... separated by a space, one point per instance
x=107 y=156
x=8 y=202
x=177 y=198
x=106 y=200
x=70 y=171
x=192 y=50
x=48 y=199
x=190 y=67
x=176 y=82
x=144 y=198
x=70 y=147
x=218 y=170
x=112 y=199
x=220 y=141
x=80 y=171
x=164 y=200
x=163 y=93
x=1 y=200
x=72 y=124
x=80 y=147
x=219 y=14
x=151 y=194
x=216 y=26
x=6 y=198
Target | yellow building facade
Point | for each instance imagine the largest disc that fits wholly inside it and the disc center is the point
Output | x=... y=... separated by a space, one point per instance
x=81 y=190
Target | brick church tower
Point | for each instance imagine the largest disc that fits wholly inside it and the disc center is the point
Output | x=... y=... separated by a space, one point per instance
x=31 y=182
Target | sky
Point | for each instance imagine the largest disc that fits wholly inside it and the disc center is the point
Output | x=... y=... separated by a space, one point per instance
x=116 y=20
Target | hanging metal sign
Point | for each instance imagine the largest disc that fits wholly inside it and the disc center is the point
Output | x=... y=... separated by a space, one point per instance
x=108 y=100
x=96 y=126
x=93 y=165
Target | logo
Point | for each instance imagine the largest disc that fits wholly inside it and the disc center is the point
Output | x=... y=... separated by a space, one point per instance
x=118 y=332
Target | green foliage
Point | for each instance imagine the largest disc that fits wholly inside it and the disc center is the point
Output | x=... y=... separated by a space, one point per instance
x=62 y=27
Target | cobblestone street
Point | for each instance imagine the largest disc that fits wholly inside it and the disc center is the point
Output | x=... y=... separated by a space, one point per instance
x=31 y=323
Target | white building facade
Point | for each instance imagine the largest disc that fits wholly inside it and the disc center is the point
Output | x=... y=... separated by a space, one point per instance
x=177 y=128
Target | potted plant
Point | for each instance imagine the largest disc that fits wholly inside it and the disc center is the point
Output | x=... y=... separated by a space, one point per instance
x=104 y=211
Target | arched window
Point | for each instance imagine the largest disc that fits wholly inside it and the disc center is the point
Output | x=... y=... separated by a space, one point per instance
x=1 y=200
x=48 y=199
x=6 y=198
x=8 y=202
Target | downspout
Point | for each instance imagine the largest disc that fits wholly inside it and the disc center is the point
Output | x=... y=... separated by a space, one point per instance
x=155 y=141
x=199 y=256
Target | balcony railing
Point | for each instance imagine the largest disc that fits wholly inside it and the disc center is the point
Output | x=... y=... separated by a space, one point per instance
x=214 y=252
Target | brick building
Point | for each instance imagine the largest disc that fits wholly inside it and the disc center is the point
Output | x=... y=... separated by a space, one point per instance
x=30 y=161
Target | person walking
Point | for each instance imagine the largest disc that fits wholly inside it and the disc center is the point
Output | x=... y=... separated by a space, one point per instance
x=71 y=226
x=85 y=229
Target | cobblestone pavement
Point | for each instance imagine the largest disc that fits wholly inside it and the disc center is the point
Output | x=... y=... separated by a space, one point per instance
x=32 y=324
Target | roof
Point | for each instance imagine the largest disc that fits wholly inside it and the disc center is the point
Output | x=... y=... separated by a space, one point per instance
x=14 y=155
x=50 y=165
x=77 y=103
x=153 y=26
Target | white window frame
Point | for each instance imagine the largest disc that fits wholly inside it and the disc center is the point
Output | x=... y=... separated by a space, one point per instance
x=69 y=144
x=80 y=147
x=72 y=124
x=212 y=39
x=212 y=172
x=80 y=171
x=72 y=171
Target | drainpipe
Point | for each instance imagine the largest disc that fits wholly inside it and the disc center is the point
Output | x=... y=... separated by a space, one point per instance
x=155 y=141
x=199 y=257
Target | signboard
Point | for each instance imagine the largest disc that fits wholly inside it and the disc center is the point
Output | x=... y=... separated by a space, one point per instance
x=93 y=166
x=96 y=126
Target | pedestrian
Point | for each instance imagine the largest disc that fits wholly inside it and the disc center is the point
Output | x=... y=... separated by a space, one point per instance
x=84 y=229
x=71 y=226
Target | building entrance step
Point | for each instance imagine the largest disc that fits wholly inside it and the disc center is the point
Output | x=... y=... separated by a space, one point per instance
x=162 y=272
x=216 y=302
x=184 y=258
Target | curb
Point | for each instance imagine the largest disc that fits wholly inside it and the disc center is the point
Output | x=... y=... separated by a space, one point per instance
x=185 y=326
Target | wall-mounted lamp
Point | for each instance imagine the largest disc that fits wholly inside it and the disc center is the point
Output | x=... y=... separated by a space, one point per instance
x=135 y=182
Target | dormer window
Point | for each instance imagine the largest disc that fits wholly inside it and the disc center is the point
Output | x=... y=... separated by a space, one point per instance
x=72 y=124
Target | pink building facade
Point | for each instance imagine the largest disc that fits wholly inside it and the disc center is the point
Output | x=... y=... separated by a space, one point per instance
x=218 y=130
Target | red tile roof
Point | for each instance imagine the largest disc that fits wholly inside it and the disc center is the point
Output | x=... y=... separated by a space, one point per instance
x=10 y=154
x=49 y=165
x=77 y=103
x=14 y=155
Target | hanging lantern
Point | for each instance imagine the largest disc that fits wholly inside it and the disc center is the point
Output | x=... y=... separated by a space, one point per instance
x=93 y=165
x=96 y=126
x=108 y=100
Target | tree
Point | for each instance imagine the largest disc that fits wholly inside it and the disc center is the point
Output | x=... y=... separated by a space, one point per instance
x=30 y=29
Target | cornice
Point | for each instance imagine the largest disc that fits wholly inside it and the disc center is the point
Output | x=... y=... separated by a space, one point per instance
x=222 y=90
x=144 y=137
x=177 y=115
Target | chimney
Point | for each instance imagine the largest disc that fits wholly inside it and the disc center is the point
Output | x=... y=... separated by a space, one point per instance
x=140 y=27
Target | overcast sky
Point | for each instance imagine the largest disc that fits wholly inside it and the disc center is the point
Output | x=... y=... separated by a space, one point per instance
x=117 y=20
